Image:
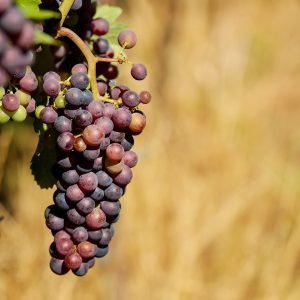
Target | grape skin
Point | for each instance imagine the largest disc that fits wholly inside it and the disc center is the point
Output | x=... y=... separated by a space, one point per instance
x=127 y=39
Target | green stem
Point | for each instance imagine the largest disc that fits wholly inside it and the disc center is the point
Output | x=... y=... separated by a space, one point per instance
x=64 y=9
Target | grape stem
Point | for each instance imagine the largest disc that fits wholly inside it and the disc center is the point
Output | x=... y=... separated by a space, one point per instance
x=91 y=61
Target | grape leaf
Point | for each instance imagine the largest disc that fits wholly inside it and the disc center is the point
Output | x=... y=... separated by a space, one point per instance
x=45 y=39
x=43 y=160
x=110 y=13
x=32 y=11
x=64 y=8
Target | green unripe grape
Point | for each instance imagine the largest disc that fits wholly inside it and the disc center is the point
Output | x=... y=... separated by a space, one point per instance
x=2 y=92
x=60 y=101
x=20 y=115
x=4 y=117
x=23 y=96
x=38 y=110
x=46 y=126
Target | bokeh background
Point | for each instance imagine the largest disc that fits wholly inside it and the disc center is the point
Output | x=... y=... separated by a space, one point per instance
x=213 y=212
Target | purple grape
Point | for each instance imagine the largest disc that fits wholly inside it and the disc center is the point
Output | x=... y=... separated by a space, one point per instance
x=100 y=26
x=96 y=109
x=73 y=260
x=115 y=152
x=106 y=237
x=30 y=108
x=80 y=81
x=111 y=208
x=101 y=251
x=80 y=234
x=95 y=235
x=4 y=5
x=88 y=182
x=48 y=115
x=26 y=37
x=74 y=217
x=86 y=249
x=109 y=110
x=116 y=136
x=71 y=111
x=127 y=142
x=60 y=201
x=85 y=206
x=127 y=39
x=74 y=193
x=74 y=96
x=11 y=102
x=97 y=195
x=29 y=82
x=102 y=88
x=51 y=87
x=79 y=68
x=130 y=99
x=70 y=177
x=77 y=4
x=104 y=180
x=87 y=97
x=105 y=124
x=104 y=144
x=57 y=266
x=51 y=75
x=96 y=219
x=101 y=45
x=122 y=117
x=97 y=165
x=130 y=159
x=83 y=118
x=12 y=21
x=54 y=222
x=124 y=177
x=113 y=192
x=84 y=166
x=67 y=161
x=145 y=97
x=91 y=154
x=63 y=124
x=82 y=270
x=65 y=141
x=111 y=72
x=64 y=246
x=138 y=72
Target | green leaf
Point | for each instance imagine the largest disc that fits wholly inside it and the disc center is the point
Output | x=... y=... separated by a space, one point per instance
x=43 y=161
x=45 y=39
x=32 y=11
x=110 y=13
x=64 y=9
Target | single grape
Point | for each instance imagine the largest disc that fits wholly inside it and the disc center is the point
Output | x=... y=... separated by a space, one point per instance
x=97 y=194
x=93 y=135
x=71 y=111
x=122 y=117
x=79 y=68
x=87 y=97
x=20 y=115
x=51 y=87
x=80 y=234
x=82 y=270
x=65 y=141
x=130 y=99
x=104 y=180
x=61 y=235
x=115 y=152
x=105 y=124
x=96 y=219
x=97 y=165
x=64 y=246
x=29 y=82
x=101 y=45
x=124 y=177
x=86 y=249
x=88 y=182
x=30 y=108
x=12 y=21
x=112 y=72
x=100 y=26
x=138 y=123
x=4 y=5
x=80 y=81
x=113 y=192
x=63 y=124
x=74 y=217
x=138 y=71
x=74 y=193
x=48 y=115
x=95 y=235
x=26 y=38
x=67 y=161
x=70 y=177
x=130 y=159
x=10 y=102
x=110 y=208
x=73 y=260
x=58 y=266
x=108 y=110
x=113 y=167
x=83 y=118
x=51 y=75
x=91 y=154
x=91 y=262
x=106 y=237
x=116 y=136
x=74 y=96
x=4 y=117
x=54 y=222
x=102 y=88
x=85 y=206
x=60 y=101
x=23 y=96
x=96 y=109
x=80 y=145
x=77 y=4
x=145 y=97
x=101 y=251
x=104 y=144
x=60 y=201
x=127 y=39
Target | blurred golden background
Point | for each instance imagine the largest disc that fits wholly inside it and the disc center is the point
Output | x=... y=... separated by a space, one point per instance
x=213 y=212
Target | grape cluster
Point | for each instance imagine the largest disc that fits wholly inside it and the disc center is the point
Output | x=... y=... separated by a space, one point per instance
x=94 y=162
x=16 y=40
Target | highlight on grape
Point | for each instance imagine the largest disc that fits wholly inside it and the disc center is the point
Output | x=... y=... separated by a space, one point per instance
x=59 y=64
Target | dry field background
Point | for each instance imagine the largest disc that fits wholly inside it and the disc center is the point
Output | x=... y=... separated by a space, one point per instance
x=213 y=212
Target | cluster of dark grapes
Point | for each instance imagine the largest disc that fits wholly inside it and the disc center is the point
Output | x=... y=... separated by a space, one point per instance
x=94 y=161
x=16 y=40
